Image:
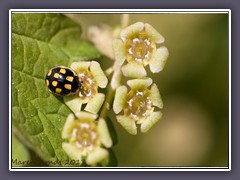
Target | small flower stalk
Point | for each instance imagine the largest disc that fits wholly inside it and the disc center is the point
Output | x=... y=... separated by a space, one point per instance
x=86 y=139
x=138 y=47
x=138 y=105
x=91 y=77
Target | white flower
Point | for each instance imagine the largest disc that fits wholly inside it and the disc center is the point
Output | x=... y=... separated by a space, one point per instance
x=138 y=105
x=91 y=76
x=87 y=139
x=138 y=47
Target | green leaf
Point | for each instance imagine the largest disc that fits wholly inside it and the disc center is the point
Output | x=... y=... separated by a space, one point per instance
x=40 y=42
x=20 y=154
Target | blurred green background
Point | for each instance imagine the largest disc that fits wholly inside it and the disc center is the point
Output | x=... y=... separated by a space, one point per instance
x=194 y=87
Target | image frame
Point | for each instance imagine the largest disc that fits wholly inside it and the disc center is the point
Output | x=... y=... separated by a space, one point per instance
x=218 y=11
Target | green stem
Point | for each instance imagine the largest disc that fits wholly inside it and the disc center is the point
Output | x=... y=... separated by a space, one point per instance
x=108 y=103
x=115 y=79
x=112 y=86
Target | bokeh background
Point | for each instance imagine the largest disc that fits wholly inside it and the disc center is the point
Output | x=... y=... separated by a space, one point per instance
x=194 y=87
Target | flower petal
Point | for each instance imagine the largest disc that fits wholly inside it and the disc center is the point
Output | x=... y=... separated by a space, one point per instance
x=116 y=78
x=155 y=96
x=73 y=102
x=72 y=151
x=68 y=126
x=95 y=103
x=96 y=156
x=120 y=98
x=156 y=36
x=128 y=124
x=138 y=83
x=134 y=70
x=104 y=133
x=98 y=74
x=159 y=59
x=118 y=49
x=86 y=115
x=152 y=119
x=80 y=66
x=132 y=29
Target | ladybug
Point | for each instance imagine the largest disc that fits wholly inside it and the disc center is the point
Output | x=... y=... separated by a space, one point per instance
x=62 y=81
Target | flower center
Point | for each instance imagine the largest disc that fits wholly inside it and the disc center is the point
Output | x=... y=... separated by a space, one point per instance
x=88 y=85
x=85 y=135
x=138 y=104
x=139 y=48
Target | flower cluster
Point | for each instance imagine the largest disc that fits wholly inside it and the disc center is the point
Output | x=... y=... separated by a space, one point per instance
x=137 y=47
x=86 y=137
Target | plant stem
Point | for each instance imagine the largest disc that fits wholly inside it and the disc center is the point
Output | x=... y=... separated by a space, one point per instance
x=108 y=103
x=115 y=79
x=112 y=86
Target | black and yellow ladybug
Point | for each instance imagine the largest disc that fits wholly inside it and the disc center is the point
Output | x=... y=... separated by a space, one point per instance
x=62 y=81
